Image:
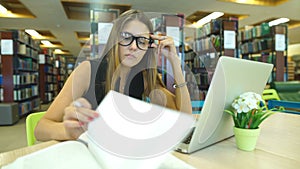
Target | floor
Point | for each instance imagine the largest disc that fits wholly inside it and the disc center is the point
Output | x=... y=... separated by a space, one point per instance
x=14 y=136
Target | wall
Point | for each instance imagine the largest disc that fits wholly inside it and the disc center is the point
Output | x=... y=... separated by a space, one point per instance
x=294 y=49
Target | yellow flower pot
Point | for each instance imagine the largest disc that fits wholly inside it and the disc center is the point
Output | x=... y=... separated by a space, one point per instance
x=246 y=138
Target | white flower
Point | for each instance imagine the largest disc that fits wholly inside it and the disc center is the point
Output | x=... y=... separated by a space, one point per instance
x=258 y=97
x=251 y=102
x=246 y=102
x=249 y=110
x=240 y=106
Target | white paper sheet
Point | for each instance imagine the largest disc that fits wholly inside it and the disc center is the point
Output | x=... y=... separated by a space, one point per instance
x=279 y=42
x=104 y=30
x=229 y=39
x=7 y=47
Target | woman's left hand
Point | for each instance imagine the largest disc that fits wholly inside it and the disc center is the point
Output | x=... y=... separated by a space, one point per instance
x=165 y=46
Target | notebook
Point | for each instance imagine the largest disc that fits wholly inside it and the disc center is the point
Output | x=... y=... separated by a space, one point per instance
x=232 y=77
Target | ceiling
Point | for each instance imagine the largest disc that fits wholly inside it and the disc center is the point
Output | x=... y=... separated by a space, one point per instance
x=66 y=23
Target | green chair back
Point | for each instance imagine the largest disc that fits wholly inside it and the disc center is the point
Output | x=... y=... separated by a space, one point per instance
x=31 y=121
x=270 y=94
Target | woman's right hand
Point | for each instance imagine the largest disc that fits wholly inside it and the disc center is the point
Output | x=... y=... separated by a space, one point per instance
x=76 y=117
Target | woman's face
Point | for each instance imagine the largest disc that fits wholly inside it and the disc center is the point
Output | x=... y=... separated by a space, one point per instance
x=133 y=43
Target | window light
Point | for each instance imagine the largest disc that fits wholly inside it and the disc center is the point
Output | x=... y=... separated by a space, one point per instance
x=33 y=33
x=3 y=10
x=208 y=18
x=58 y=51
x=46 y=43
x=278 y=21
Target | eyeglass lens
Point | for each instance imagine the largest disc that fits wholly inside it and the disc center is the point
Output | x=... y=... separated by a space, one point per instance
x=127 y=38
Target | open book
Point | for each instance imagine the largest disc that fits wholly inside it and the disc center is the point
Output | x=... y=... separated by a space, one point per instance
x=112 y=142
x=75 y=155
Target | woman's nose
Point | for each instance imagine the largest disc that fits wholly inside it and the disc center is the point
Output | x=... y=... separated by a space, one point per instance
x=133 y=45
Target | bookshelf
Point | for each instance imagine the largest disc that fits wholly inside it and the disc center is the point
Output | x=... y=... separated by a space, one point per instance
x=70 y=61
x=61 y=66
x=296 y=60
x=267 y=44
x=19 y=58
x=213 y=40
x=101 y=24
x=171 y=25
x=47 y=76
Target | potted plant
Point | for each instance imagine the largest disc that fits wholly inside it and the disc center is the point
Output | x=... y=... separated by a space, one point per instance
x=248 y=111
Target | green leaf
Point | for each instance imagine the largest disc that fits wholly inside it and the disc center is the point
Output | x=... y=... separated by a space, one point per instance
x=229 y=112
x=260 y=117
x=244 y=120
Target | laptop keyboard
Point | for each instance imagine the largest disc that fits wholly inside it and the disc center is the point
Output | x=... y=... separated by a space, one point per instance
x=188 y=139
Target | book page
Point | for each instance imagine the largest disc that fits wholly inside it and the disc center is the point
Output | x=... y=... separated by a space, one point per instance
x=134 y=134
x=168 y=161
x=69 y=154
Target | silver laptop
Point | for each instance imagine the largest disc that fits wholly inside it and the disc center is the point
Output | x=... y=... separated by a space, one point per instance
x=231 y=78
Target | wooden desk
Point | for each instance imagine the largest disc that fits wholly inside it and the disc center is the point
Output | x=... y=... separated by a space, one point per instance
x=10 y=156
x=278 y=147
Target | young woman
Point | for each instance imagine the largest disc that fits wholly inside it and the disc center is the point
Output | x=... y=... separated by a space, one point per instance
x=128 y=66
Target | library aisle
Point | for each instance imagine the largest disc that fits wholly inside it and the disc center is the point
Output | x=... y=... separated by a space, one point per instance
x=11 y=141
x=42 y=42
x=16 y=140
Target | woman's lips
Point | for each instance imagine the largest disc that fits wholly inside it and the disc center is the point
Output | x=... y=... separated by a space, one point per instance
x=130 y=56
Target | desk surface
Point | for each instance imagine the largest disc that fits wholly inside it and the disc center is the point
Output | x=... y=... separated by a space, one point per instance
x=278 y=146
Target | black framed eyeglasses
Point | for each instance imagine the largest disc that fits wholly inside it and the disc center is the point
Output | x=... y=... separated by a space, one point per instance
x=142 y=43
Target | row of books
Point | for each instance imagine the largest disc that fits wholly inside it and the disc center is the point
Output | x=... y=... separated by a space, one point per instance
x=197 y=94
x=45 y=59
x=62 y=71
x=49 y=96
x=256 y=46
x=49 y=87
x=47 y=51
x=207 y=44
x=50 y=78
x=25 y=78
x=26 y=64
x=59 y=64
x=198 y=79
x=251 y=32
x=156 y=22
x=61 y=84
x=28 y=106
x=1 y=94
x=261 y=31
x=48 y=69
x=202 y=62
x=26 y=93
x=28 y=51
x=189 y=55
x=196 y=65
x=25 y=38
x=201 y=79
x=265 y=57
x=61 y=78
x=209 y=28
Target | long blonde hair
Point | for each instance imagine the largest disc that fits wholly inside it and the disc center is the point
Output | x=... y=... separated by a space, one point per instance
x=147 y=64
